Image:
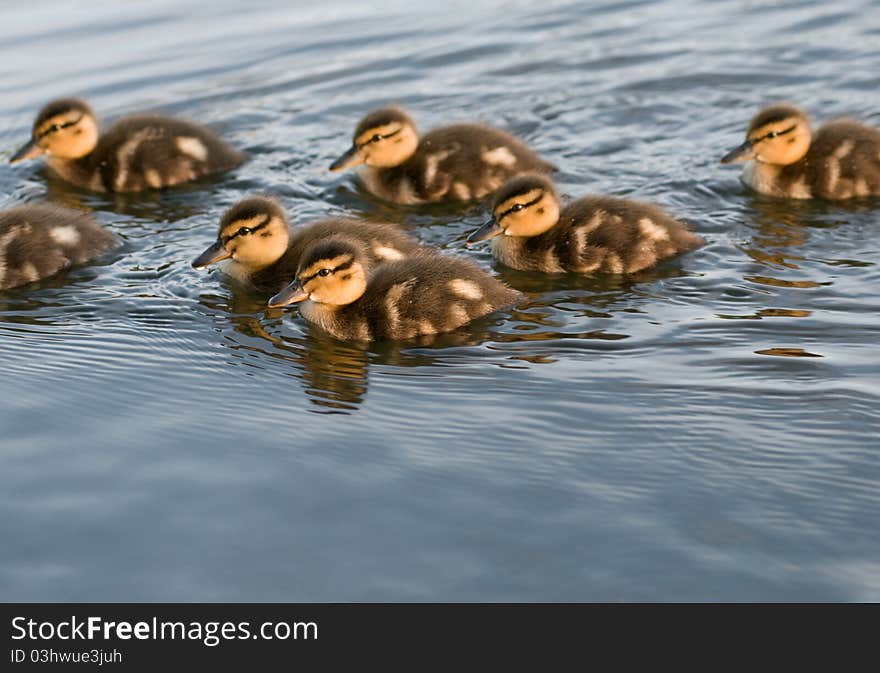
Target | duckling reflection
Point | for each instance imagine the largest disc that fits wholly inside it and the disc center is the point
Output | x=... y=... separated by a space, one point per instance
x=333 y=374
x=460 y=162
x=841 y=160
x=138 y=152
x=152 y=205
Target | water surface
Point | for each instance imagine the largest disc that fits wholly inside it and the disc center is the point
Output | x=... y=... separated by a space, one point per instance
x=707 y=430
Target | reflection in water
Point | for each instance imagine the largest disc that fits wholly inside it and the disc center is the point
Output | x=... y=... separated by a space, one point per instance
x=335 y=374
x=168 y=205
x=788 y=353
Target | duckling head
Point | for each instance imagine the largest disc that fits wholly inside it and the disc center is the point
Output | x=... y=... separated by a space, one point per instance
x=332 y=272
x=384 y=138
x=254 y=233
x=525 y=206
x=779 y=134
x=66 y=128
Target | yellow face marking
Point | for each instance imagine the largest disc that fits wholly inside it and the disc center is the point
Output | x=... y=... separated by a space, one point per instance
x=779 y=127
x=384 y=130
x=71 y=117
x=233 y=227
x=312 y=270
x=519 y=199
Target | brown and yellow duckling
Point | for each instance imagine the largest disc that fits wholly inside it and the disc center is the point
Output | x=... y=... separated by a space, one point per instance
x=264 y=253
x=428 y=293
x=841 y=160
x=39 y=240
x=596 y=233
x=138 y=152
x=461 y=162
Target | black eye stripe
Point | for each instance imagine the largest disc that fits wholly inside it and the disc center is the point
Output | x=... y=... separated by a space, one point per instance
x=776 y=134
x=341 y=267
x=261 y=225
x=379 y=137
x=524 y=205
x=57 y=127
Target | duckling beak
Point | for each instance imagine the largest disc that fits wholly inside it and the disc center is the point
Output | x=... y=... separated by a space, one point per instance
x=352 y=157
x=29 y=151
x=289 y=295
x=744 y=152
x=489 y=230
x=216 y=253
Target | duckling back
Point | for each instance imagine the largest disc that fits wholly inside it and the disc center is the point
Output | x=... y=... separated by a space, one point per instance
x=460 y=162
x=843 y=162
x=149 y=152
x=428 y=293
x=599 y=234
x=38 y=241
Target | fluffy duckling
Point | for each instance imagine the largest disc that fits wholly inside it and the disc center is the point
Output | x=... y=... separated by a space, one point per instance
x=138 y=152
x=425 y=294
x=39 y=240
x=595 y=233
x=459 y=162
x=840 y=161
x=264 y=253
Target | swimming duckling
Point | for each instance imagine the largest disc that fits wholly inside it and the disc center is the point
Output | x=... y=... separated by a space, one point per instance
x=459 y=162
x=427 y=293
x=39 y=240
x=264 y=253
x=595 y=233
x=138 y=152
x=840 y=161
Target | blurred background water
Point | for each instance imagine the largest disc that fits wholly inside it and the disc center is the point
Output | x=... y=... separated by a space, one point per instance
x=704 y=431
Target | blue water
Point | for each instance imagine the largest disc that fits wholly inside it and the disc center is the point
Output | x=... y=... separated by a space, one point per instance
x=704 y=431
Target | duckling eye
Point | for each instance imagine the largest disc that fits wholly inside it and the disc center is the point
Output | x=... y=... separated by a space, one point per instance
x=376 y=138
x=518 y=207
x=244 y=231
x=324 y=272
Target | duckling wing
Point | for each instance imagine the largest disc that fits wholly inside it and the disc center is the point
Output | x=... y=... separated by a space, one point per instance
x=152 y=152
x=469 y=161
x=844 y=160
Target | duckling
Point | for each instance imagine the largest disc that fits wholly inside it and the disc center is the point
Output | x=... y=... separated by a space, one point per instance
x=595 y=233
x=840 y=161
x=139 y=152
x=425 y=294
x=264 y=253
x=461 y=162
x=39 y=240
